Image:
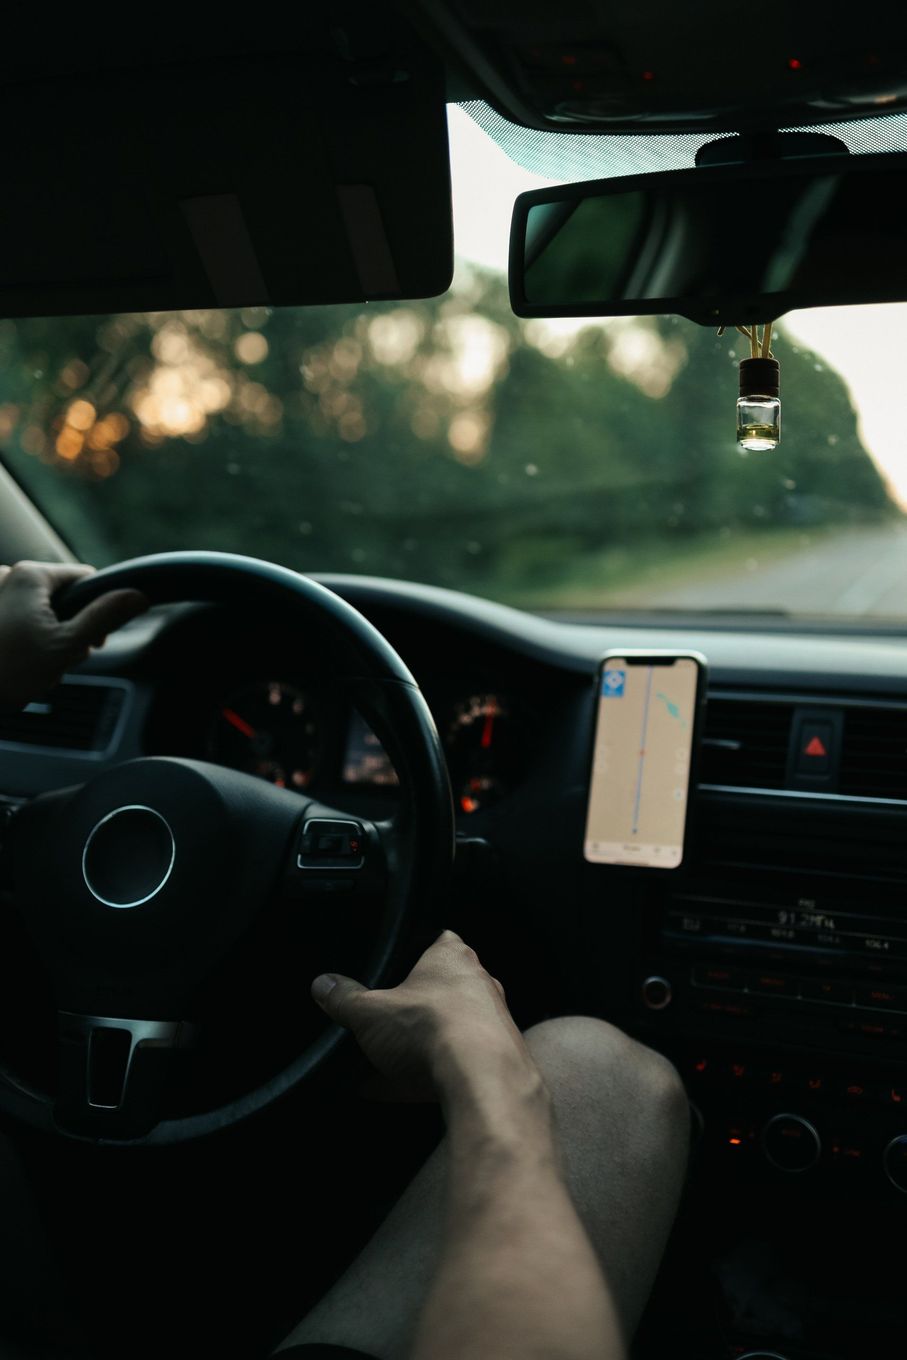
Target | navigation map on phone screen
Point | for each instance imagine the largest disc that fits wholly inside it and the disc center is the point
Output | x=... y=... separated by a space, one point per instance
x=641 y=762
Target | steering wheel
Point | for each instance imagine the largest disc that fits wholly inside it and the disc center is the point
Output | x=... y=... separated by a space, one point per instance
x=137 y=884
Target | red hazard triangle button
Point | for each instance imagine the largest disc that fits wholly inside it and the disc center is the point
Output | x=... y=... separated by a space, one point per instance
x=815 y=749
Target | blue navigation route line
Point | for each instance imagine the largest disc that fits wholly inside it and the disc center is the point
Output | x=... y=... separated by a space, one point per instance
x=642 y=749
x=672 y=708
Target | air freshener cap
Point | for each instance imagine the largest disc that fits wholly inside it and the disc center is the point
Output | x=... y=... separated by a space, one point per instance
x=760 y=377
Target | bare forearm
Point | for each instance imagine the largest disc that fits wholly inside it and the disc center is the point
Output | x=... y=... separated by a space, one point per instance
x=518 y=1276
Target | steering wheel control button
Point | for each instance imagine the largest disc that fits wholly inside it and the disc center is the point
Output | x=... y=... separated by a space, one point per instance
x=112 y=1071
x=656 y=993
x=331 y=845
x=128 y=856
x=895 y=1162
x=109 y=1052
x=791 y=1143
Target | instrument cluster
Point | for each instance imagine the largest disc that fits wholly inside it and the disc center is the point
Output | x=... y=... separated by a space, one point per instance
x=293 y=736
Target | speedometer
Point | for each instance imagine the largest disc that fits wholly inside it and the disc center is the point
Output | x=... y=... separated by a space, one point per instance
x=269 y=729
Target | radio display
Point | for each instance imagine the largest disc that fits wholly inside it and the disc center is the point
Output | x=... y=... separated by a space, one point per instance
x=797 y=926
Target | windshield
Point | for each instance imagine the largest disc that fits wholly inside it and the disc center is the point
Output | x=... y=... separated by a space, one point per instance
x=574 y=466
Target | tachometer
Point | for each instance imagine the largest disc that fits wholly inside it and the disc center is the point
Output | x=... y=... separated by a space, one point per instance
x=269 y=729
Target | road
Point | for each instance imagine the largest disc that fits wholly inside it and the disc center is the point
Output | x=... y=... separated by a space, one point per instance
x=854 y=572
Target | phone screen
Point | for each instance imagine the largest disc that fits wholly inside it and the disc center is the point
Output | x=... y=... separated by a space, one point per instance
x=645 y=722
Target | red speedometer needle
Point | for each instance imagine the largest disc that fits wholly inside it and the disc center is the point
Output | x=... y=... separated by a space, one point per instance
x=239 y=723
x=488 y=729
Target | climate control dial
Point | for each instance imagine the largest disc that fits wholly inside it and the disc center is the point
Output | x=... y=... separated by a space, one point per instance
x=791 y=1143
x=895 y=1158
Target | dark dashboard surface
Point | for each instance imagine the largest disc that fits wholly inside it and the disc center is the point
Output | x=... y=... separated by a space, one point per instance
x=772 y=967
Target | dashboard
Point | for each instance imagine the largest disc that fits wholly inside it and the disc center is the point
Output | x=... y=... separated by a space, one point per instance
x=771 y=967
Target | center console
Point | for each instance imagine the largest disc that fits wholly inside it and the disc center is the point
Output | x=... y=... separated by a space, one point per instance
x=780 y=991
x=772 y=970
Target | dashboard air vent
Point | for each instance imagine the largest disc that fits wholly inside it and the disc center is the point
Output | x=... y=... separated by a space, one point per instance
x=77 y=715
x=745 y=743
x=874 y=753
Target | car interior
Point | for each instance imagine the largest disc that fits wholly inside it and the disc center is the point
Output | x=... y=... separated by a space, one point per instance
x=318 y=758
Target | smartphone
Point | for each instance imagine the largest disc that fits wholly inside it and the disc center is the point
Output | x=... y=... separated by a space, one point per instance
x=647 y=724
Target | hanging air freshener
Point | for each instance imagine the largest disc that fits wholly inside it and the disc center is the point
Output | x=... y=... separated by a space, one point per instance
x=759 y=402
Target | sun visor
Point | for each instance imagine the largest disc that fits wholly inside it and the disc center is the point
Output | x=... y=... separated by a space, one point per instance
x=306 y=177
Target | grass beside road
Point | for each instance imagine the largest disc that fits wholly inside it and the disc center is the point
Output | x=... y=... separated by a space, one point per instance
x=636 y=574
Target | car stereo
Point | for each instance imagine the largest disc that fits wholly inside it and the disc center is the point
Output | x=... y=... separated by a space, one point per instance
x=828 y=932
x=787 y=1016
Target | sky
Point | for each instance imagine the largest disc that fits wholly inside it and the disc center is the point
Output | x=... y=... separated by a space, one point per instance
x=863 y=344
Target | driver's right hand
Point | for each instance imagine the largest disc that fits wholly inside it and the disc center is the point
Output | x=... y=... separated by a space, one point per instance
x=447 y=1016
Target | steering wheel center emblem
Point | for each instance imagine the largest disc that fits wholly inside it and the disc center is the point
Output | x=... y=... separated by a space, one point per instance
x=128 y=856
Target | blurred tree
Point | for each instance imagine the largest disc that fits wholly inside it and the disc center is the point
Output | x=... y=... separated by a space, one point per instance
x=440 y=440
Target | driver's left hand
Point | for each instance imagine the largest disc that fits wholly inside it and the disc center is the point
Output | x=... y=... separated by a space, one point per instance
x=36 y=647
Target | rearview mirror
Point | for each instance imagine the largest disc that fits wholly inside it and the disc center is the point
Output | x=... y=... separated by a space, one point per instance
x=719 y=245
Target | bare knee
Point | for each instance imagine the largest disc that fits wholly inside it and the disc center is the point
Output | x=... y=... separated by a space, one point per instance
x=588 y=1061
x=622 y=1120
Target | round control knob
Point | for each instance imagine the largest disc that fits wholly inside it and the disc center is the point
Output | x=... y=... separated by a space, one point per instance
x=895 y=1162
x=656 y=993
x=791 y=1143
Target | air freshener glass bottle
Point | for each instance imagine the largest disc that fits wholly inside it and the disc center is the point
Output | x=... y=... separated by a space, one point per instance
x=759 y=405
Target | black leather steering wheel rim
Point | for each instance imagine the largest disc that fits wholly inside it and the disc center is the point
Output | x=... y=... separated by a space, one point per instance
x=390 y=699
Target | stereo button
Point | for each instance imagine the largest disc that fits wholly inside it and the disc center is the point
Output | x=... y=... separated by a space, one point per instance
x=814 y=1084
x=857 y=1092
x=738 y=1010
x=846 y=1151
x=772 y=984
x=718 y=975
x=822 y=989
x=883 y=996
x=871 y=1029
x=774 y=1079
x=700 y=1068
